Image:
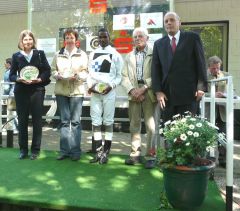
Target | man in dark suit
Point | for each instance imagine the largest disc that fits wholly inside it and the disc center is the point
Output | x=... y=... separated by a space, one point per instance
x=178 y=69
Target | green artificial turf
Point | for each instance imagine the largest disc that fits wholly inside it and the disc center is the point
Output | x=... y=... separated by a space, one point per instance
x=49 y=183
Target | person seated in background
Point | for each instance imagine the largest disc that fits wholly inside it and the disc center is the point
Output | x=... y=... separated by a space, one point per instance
x=11 y=105
x=215 y=72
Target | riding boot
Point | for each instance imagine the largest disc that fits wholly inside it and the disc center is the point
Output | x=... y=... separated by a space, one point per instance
x=106 y=150
x=98 y=150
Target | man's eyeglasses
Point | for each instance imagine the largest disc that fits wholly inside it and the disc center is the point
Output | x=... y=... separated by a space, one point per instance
x=138 y=36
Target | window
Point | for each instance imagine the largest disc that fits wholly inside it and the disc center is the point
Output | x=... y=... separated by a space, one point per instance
x=214 y=36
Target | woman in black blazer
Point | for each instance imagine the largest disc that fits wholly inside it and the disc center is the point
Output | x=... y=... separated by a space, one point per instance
x=29 y=91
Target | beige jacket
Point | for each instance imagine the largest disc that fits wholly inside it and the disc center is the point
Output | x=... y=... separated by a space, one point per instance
x=129 y=77
x=76 y=63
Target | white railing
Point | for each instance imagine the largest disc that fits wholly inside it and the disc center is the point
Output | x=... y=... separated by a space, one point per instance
x=228 y=143
x=50 y=98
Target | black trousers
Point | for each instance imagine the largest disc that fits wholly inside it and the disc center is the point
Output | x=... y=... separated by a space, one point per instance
x=171 y=110
x=30 y=102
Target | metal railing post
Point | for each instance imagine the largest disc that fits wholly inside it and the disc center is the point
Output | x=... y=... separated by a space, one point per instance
x=229 y=146
x=228 y=143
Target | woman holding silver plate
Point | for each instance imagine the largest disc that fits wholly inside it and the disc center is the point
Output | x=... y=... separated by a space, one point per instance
x=69 y=68
x=31 y=71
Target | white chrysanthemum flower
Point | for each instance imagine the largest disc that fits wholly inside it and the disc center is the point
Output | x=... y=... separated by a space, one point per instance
x=196 y=134
x=183 y=120
x=183 y=137
x=199 y=124
x=173 y=122
x=172 y=128
x=187 y=144
x=191 y=127
x=193 y=119
x=176 y=116
x=160 y=131
x=213 y=126
x=190 y=133
x=167 y=123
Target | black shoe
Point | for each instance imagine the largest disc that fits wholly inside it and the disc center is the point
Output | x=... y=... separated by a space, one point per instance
x=96 y=158
x=34 y=156
x=62 y=157
x=23 y=156
x=132 y=161
x=103 y=159
x=222 y=163
x=150 y=164
x=75 y=158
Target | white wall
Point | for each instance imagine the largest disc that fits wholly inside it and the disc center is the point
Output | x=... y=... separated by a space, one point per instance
x=11 y=25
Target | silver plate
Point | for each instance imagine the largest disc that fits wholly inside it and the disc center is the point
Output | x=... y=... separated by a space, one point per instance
x=29 y=73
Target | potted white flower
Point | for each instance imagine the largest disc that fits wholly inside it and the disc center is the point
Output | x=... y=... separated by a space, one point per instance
x=183 y=160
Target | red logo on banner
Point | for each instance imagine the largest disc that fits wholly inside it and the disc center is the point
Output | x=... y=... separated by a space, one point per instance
x=151 y=22
x=123 y=33
x=97 y=6
x=123 y=44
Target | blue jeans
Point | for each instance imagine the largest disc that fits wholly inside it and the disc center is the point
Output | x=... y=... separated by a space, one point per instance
x=70 y=109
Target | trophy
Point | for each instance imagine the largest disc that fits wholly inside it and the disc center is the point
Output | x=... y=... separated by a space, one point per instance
x=29 y=73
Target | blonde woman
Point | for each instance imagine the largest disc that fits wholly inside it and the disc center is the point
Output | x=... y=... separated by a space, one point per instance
x=31 y=71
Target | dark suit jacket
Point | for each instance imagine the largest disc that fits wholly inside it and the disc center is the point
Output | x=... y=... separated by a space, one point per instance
x=180 y=75
x=38 y=60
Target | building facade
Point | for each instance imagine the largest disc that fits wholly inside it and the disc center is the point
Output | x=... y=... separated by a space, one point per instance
x=48 y=19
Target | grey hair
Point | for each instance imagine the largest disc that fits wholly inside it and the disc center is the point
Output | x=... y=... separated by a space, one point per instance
x=173 y=13
x=140 y=29
x=214 y=60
